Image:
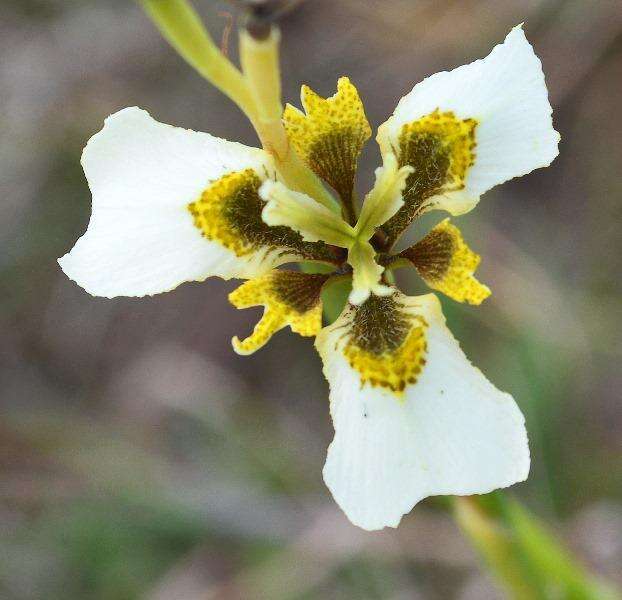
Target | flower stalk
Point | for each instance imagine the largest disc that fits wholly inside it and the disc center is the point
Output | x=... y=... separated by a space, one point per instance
x=260 y=65
x=181 y=26
x=521 y=553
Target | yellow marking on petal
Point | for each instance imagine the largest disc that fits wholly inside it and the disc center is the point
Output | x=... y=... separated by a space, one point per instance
x=447 y=264
x=331 y=135
x=289 y=297
x=440 y=148
x=392 y=370
x=229 y=212
x=386 y=345
x=221 y=203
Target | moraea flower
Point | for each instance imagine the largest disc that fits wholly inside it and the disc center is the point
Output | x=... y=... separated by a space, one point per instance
x=412 y=416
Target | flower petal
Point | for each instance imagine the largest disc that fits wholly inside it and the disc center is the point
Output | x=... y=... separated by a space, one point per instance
x=289 y=297
x=447 y=264
x=330 y=136
x=146 y=178
x=447 y=431
x=470 y=129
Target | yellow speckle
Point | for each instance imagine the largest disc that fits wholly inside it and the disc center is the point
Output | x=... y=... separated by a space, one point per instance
x=330 y=136
x=386 y=343
x=215 y=212
x=447 y=264
x=440 y=148
x=229 y=212
x=392 y=369
x=455 y=138
x=290 y=298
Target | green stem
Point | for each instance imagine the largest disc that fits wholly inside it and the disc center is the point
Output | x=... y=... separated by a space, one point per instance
x=260 y=64
x=524 y=556
x=179 y=23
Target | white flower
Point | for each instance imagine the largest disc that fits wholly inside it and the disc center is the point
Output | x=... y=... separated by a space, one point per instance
x=412 y=416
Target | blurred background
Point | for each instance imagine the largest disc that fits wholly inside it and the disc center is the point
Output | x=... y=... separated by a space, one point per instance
x=141 y=458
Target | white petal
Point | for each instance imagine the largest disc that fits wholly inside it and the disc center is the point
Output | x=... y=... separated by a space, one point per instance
x=141 y=238
x=452 y=432
x=507 y=94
